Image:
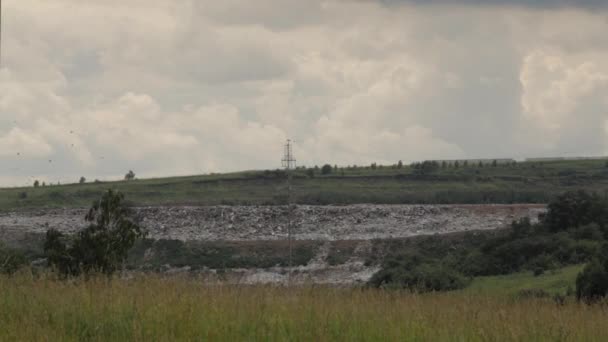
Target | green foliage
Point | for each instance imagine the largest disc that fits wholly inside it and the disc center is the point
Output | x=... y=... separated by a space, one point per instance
x=326 y=169
x=570 y=233
x=575 y=209
x=414 y=274
x=130 y=175
x=592 y=282
x=11 y=260
x=102 y=247
x=502 y=184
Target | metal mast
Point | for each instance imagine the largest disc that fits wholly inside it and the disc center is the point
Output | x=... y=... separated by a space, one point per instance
x=289 y=163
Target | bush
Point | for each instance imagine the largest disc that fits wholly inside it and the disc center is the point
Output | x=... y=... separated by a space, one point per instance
x=416 y=273
x=326 y=169
x=532 y=294
x=10 y=260
x=592 y=282
x=101 y=247
x=576 y=209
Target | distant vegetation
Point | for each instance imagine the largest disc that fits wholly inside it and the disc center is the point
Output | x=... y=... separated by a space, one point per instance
x=445 y=182
x=102 y=247
x=574 y=231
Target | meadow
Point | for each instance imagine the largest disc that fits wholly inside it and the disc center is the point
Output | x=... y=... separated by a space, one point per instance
x=152 y=308
x=525 y=182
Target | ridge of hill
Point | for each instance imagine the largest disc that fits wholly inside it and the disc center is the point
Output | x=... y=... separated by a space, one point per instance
x=433 y=183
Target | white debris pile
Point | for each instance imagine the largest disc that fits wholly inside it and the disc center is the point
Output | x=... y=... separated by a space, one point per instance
x=239 y=223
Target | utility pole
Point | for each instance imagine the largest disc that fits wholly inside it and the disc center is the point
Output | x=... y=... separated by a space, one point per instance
x=289 y=163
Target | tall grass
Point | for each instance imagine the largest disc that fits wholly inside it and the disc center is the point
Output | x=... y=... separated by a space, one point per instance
x=160 y=309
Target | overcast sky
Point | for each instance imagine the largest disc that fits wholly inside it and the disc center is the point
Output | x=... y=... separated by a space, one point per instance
x=174 y=87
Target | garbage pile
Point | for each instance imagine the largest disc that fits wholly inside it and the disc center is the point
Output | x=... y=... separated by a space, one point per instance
x=248 y=223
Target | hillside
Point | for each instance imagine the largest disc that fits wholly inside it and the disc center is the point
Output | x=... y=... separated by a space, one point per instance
x=524 y=182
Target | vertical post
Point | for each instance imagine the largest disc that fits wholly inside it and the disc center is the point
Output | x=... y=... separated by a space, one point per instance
x=289 y=162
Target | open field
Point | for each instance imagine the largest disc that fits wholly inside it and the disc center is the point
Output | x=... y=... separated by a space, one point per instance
x=527 y=182
x=152 y=308
x=553 y=282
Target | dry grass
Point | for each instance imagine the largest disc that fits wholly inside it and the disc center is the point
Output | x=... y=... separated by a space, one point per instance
x=157 y=309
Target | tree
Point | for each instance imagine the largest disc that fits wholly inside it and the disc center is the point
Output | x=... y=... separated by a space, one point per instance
x=444 y=164
x=592 y=282
x=494 y=163
x=374 y=166
x=310 y=173
x=480 y=165
x=456 y=164
x=36 y=183
x=326 y=169
x=82 y=180
x=400 y=165
x=466 y=163
x=130 y=175
x=102 y=246
x=10 y=260
x=575 y=209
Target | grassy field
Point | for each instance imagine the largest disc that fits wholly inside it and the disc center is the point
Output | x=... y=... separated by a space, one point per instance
x=176 y=309
x=527 y=182
x=552 y=282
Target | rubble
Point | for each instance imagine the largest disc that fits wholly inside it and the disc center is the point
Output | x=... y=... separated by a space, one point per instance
x=250 y=223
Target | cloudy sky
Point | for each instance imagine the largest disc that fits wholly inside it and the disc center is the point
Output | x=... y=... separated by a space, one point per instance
x=174 y=87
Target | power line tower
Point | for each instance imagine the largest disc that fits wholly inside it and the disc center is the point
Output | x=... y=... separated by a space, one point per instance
x=289 y=163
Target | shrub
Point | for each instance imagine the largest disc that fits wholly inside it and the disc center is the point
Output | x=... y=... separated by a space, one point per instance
x=575 y=209
x=532 y=294
x=592 y=282
x=101 y=247
x=10 y=260
x=416 y=273
x=326 y=169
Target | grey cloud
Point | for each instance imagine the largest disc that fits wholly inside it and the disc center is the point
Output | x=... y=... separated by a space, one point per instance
x=586 y=4
x=217 y=86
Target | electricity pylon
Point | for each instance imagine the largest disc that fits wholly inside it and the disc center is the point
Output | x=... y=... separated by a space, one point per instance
x=289 y=163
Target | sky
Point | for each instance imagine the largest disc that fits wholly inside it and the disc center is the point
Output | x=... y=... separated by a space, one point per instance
x=178 y=87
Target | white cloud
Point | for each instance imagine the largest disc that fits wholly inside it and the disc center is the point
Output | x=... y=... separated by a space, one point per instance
x=21 y=143
x=167 y=87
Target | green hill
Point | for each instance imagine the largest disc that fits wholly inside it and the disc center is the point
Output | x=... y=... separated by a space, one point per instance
x=524 y=182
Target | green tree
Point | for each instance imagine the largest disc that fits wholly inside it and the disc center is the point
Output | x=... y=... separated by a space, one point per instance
x=10 y=261
x=400 y=165
x=326 y=169
x=82 y=180
x=592 y=282
x=36 y=183
x=494 y=163
x=130 y=175
x=102 y=246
